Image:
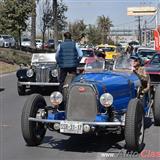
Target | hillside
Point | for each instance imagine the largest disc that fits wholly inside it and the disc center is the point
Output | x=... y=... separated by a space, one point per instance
x=10 y=59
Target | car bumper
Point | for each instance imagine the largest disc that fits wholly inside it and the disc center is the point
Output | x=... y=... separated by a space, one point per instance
x=38 y=84
x=6 y=44
x=84 y=123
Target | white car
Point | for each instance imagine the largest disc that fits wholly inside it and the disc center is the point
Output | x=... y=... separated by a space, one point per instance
x=39 y=43
x=26 y=42
x=7 y=41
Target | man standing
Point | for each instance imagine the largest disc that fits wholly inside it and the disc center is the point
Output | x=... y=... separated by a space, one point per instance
x=68 y=56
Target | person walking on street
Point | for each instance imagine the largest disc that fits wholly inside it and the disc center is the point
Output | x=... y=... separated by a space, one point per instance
x=68 y=56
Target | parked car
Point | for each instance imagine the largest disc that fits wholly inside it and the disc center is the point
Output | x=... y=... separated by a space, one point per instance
x=7 y=41
x=88 y=53
x=153 y=69
x=145 y=53
x=26 y=42
x=39 y=43
x=98 y=101
x=123 y=43
x=49 y=44
x=43 y=72
x=111 y=52
x=135 y=44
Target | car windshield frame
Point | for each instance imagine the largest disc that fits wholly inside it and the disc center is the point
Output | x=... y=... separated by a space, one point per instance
x=95 y=66
x=43 y=58
x=123 y=63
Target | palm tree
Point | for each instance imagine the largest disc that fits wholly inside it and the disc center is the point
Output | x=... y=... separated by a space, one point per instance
x=104 y=24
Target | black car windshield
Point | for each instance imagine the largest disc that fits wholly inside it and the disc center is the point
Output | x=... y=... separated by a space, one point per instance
x=109 y=49
x=5 y=37
x=146 y=53
x=51 y=41
x=26 y=39
x=88 y=53
x=155 y=60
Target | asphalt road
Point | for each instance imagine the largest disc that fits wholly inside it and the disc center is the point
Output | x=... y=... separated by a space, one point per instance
x=56 y=146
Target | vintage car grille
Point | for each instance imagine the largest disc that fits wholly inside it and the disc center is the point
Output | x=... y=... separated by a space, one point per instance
x=81 y=105
x=42 y=74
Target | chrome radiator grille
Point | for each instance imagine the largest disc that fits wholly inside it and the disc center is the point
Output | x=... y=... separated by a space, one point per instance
x=81 y=105
x=42 y=75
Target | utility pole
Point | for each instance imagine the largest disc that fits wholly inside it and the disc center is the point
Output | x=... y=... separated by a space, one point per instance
x=145 y=33
x=55 y=25
x=33 y=24
x=139 y=30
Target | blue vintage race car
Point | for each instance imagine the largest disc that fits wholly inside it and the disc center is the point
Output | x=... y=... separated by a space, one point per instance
x=96 y=101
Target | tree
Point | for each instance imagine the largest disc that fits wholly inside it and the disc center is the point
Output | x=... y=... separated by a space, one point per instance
x=104 y=24
x=77 y=29
x=46 y=18
x=94 y=34
x=13 y=16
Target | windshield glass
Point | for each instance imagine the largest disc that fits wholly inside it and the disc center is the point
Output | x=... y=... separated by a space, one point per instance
x=146 y=53
x=123 y=63
x=26 y=39
x=155 y=60
x=109 y=49
x=43 y=58
x=96 y=65
x=51 y=41
x=5 y=37
x=87 y=53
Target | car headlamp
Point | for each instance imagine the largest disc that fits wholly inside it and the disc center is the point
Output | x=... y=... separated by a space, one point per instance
x=30 y=73
x=106 y=99
x=56 y=98
x=54 y=73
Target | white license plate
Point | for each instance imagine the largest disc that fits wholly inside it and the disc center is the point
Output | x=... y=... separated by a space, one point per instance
x=71 y=127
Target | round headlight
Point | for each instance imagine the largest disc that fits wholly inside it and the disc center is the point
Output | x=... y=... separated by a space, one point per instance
x=30 y=73
x=106 y=100
x=56 y=98
x=54 y=73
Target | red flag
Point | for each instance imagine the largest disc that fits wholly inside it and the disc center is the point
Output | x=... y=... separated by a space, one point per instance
x=156 y=40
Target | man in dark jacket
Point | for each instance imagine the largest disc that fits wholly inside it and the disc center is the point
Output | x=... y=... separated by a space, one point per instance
x=68 y=56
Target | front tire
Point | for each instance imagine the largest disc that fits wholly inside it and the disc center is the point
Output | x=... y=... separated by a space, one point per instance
x=33 y=132
x=156 y=107
x=134 y=127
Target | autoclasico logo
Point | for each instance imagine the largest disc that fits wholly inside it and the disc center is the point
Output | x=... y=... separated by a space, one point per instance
x=123 y=154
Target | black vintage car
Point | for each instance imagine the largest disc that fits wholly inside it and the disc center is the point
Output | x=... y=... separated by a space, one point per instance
x=42 y=72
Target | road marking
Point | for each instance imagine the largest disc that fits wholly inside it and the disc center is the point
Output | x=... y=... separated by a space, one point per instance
x=4 y=125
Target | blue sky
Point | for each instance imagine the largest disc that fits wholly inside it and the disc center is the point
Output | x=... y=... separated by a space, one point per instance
x=116 y=10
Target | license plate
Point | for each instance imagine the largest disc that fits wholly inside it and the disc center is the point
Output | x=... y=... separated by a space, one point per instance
x=71 y=127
